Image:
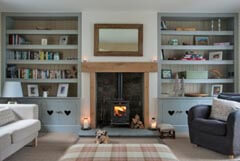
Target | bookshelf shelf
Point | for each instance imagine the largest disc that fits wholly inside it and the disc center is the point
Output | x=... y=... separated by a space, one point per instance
x=48 y=62
x=196 y=62
x=195 y=47
x=43 y=32
x=200 y=81
x=44 y=80
x=22 y=47
x=193 y=33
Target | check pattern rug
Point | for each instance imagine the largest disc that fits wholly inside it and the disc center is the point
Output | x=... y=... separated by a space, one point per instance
x=118 y=152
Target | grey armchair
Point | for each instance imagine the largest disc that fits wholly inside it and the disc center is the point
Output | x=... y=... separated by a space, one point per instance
x=219 y=136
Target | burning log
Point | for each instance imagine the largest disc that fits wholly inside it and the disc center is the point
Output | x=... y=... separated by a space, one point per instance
x=137 y=123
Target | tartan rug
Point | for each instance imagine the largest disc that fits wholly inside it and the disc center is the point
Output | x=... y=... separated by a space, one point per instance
x=118 y=152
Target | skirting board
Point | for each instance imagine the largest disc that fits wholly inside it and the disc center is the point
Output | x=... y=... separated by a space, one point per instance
x=61 y=128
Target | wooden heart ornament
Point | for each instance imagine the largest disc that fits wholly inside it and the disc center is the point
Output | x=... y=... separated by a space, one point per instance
x=67 y=112
x=171 y=112
x=50 y=112
x=187 y=112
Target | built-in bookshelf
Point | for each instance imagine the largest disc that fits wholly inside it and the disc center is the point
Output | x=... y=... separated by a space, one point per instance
x=186 y=43
x=199 y=55
x=30 y=59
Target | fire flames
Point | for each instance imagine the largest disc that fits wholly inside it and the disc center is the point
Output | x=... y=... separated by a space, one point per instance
x=120 y=111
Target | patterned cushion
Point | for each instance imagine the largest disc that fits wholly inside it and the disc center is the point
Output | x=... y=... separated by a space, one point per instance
x=6 y=116
x=222 y=108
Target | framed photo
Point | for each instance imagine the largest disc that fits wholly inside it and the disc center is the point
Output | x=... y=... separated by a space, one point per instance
x=217 y=55
x=62 y=90
x=63 y=40
x=44 y=41
x=216 y=89
x=33 y=90
x=166 y=73
x=201 y=40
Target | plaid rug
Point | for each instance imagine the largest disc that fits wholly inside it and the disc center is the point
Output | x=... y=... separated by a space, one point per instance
x=119 y=152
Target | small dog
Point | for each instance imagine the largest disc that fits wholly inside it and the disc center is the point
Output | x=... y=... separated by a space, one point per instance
x=102 y=137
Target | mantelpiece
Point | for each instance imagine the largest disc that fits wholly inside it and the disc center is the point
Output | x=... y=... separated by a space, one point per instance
x=142 y=67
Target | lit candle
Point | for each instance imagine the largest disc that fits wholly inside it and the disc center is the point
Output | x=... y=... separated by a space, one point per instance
x=154 y=59
x=153 y=123
x=85 y=59
x=85 y=123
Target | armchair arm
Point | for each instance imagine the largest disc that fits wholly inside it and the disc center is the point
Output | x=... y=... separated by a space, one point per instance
x=199 y=111
x=24 y=111
x=233 y=133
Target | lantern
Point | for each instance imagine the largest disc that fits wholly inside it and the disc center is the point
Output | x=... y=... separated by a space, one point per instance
x=153 y=124
x=86 y=124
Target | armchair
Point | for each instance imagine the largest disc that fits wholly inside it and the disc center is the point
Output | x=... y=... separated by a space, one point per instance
x=219 y=136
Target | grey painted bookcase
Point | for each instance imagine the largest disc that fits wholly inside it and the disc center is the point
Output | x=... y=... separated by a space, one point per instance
x=186 y=28
x=22 y=34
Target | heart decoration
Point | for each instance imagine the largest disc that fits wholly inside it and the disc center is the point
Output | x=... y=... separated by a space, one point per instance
x=67 y=112
x=50 y=112
x=187 y=112
x=171 y=112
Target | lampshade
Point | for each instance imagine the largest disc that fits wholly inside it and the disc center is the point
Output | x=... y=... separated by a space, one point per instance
x=12 y=89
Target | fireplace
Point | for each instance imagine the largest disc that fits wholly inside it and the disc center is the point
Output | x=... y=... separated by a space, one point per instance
x=119 y=98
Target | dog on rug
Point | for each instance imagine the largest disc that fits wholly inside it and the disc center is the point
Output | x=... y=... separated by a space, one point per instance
x=102 y=137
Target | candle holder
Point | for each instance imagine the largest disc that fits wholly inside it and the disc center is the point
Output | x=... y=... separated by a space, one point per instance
x=153 y=124
x=86 y=124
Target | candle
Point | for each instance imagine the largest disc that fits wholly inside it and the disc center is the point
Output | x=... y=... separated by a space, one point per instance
x=153 y=123
x=85 y=123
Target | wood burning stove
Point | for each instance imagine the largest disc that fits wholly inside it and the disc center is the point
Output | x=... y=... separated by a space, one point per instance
x=120 y=107
x=120 y=113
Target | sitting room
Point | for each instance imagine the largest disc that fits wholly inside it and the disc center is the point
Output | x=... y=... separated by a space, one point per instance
x=107 y=80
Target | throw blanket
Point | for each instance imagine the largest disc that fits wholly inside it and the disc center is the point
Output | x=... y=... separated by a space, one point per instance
x=119 y=152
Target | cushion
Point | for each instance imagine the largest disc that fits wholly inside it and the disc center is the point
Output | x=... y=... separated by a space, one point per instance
x=6 y=116
x=222 y=108
x=210 y=126
x=21 y=129
x=5 y=140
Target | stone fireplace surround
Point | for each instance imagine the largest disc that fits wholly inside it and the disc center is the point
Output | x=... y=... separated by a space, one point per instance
x=140 y=67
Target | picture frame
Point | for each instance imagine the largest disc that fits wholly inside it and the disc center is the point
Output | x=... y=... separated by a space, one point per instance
x=216 y=89
x=166 y=73
x=217 y=55
x=63 y=40
x=201 y=40
x=44 y=41
x=32 y=90
x=62 y=90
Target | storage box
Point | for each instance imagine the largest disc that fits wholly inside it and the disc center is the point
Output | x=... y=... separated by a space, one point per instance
x=194 y=75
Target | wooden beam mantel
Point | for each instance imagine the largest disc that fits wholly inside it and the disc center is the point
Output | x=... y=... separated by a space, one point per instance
x=119 y=67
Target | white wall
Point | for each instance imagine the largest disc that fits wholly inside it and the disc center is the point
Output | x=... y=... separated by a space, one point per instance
x=149 y=21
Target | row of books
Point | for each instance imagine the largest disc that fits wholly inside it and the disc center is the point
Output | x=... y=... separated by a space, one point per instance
x=24 y=73
x=33 y=55
x=16 y=39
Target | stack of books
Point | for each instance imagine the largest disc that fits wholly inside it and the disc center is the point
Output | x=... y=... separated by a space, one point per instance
x=27 y=73
x=33 y=55
x=16 y=40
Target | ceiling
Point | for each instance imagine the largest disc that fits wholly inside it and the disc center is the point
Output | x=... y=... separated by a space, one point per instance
x=120 y=5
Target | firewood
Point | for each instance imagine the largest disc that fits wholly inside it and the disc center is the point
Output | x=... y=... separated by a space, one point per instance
x=136 y=122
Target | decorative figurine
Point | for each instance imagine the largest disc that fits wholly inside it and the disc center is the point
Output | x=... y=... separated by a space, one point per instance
x=212 y=25
x=219 y=24
x=176 y=87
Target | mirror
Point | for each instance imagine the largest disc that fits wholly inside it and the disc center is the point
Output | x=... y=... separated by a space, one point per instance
x=118 y=40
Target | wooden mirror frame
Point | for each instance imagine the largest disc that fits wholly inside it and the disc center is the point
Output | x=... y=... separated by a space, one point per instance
x=118 y=26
